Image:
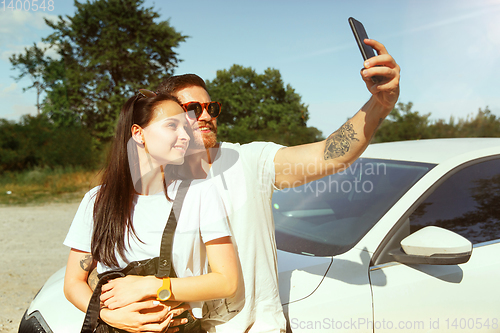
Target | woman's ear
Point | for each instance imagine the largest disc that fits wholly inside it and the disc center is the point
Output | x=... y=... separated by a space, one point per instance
x=137 y=134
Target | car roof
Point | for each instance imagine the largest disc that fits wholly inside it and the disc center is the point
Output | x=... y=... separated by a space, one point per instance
x=431 y=150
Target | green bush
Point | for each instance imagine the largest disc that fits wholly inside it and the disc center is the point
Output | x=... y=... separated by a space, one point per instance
x=36 y=142
x=405 y=124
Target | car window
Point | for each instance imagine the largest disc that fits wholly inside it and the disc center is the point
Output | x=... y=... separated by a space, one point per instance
x=467 y=203
x=329 y=216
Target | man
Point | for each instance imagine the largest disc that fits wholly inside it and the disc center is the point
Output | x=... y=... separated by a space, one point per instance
x=246 y=174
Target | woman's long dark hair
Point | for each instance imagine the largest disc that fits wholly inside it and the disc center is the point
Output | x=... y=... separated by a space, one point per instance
x=115 y=199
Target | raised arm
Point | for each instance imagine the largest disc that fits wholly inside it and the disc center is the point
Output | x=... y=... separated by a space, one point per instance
x=298 y=165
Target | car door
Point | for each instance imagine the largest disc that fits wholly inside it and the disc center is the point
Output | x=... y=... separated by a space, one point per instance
x=448 y=298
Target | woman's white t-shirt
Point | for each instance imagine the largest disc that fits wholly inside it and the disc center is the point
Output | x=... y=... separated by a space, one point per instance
x=203 y=218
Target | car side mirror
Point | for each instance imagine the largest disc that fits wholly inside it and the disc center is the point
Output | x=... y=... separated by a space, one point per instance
x=433 y=246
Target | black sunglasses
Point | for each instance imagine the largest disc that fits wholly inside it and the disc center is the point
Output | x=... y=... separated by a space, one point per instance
x=196 y=108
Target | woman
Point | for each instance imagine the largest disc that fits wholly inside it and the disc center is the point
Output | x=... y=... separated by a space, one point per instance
x=123 y=219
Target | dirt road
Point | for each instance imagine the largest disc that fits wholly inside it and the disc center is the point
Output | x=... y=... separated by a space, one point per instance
x=30 y=251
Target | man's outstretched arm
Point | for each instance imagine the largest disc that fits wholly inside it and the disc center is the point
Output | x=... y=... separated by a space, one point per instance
x=298 y=165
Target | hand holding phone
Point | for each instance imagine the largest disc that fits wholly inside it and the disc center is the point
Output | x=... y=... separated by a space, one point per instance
x=366 y=50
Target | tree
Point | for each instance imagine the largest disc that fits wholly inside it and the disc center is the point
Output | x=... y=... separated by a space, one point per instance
x=37 y=142
x=259 y=107
x=403 y=124
x=108 y=50
x=485 y=124
x=32 y=64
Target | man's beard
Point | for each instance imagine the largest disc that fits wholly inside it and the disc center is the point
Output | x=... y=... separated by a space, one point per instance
x=210 y=140
x=202 y=141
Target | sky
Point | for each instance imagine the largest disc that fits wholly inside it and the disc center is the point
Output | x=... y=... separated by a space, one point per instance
x=448 y=50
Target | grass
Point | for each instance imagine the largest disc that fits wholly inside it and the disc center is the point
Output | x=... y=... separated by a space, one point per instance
x=46 y=185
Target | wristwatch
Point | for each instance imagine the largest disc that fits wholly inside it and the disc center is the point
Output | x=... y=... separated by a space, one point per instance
x=164 y=292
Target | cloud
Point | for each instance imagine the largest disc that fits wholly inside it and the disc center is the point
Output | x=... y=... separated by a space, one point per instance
x=482 y=11
x=23 y=109
x=19 y=29
x=6 y=91
x=18 y=111
x=19 y=26
x=15 y=102
x=483 y=14
x=16 y=49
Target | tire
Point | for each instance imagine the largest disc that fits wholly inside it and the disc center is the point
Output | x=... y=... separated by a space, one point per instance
x=31 y=324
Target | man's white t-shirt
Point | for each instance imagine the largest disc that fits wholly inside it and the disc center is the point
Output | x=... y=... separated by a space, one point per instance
x=203 y=218
x=245 y=176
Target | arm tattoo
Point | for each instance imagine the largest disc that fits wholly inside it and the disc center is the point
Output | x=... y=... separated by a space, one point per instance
x=339 y=142
x=86 y=263
x=93 y=279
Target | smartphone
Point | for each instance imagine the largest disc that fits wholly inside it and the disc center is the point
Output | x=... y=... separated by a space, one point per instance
x=366 y=50
x=360 y=35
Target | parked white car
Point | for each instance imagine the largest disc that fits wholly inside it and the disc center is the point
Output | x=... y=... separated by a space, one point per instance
x=405 y=240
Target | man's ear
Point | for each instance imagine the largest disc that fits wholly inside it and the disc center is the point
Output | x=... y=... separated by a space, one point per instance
x=137 y=133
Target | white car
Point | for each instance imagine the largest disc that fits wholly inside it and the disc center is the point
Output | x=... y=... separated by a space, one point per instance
x=405 y=240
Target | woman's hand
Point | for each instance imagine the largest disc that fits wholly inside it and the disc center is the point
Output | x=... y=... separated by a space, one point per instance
x=124 y=291
x=146 y=316
x=385 y=92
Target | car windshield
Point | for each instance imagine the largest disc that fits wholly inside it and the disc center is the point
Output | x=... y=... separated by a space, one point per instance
x=329 y=216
